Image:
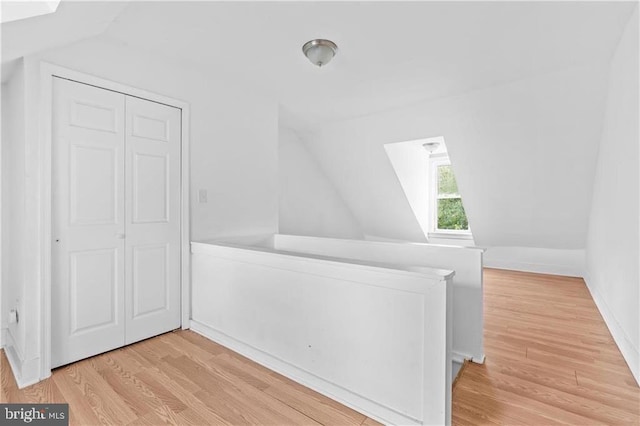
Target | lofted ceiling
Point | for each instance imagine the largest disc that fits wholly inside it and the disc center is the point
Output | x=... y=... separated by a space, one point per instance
x=518 y=90
x=391 y=54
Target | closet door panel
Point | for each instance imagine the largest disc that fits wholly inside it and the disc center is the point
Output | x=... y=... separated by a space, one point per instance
x=88 y=221
x=153 y=139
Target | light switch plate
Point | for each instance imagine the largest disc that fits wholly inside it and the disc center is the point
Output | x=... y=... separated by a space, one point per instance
x=202 y=196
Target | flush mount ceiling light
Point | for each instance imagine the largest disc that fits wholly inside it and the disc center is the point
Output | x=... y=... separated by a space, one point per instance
x=319 y=51
x=431 y=146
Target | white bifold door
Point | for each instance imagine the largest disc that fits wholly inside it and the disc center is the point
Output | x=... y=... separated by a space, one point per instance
x=115 y=222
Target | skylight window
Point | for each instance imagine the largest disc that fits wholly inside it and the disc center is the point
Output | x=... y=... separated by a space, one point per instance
x=17 y=10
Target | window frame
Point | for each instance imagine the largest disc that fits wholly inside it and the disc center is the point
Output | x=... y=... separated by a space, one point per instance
x=435 y=161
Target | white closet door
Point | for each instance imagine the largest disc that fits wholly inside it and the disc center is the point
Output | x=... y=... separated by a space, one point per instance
x=88 y=195
x=153 y=137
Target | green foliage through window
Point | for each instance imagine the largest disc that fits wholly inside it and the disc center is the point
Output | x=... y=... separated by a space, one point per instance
x=447 y=184
x=451 y=215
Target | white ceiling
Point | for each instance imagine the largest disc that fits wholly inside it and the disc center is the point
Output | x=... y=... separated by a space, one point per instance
x=391 y=54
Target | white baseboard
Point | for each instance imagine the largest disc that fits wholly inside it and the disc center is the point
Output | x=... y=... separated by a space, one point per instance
x=3 y=337
x=15 y=361
x=630 y=353
x=536 y=268
x=359 y=403
x=460 y=358
x=26 y=373
x=568 y=263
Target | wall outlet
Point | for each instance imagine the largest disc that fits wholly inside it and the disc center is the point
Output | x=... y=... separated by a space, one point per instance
x=202 y=195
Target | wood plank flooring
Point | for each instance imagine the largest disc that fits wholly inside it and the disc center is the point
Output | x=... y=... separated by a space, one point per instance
x=178 y=378
x=550 y=360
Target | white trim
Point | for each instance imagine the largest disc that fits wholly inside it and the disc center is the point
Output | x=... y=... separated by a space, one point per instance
x=3 y=337
x=186 y=215
x=15 y=361
x=381 y=240
x=259 y=253
x=565 y=262
x=47 y=72
x=352 y=400
x=536 y=268
x=630 y=353
x=450 y=235
x=460 y=358
x=26 y=373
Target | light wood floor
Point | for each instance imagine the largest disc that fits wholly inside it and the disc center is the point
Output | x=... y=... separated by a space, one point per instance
x=550 y=360
x=179 y=378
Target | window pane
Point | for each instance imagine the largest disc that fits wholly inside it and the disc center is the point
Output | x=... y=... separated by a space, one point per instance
x=451 y=214
x=446 y=181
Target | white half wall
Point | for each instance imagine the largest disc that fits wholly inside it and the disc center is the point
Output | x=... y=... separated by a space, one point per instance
x=308 y=202
x=304 y=317
x=613 y=253
x=467 y=283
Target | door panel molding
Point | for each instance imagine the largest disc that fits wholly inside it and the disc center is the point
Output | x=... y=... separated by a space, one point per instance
x=78 y=119
x=148 y=131
x=138 y=193
x=79 y=304
x=138 y=253
x=75 y=176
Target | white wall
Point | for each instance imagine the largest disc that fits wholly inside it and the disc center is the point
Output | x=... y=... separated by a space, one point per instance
x=234 y=133
x=410 y=163
x=309 y=203
x=234 y=137
x=612 y=249
x=541 y=260
x=4 y=136
x=13 y=204
x=523 y=153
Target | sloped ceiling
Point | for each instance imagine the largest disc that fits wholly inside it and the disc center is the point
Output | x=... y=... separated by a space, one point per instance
x=391 y=54
x=523 y=153
x=516 y=88
x=72 y=21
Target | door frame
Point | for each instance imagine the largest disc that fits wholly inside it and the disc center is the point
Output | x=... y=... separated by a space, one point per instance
x=48 y=72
